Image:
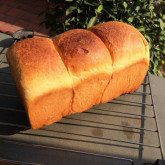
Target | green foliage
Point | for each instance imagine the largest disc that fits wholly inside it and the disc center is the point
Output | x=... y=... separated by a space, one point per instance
x=147 y=16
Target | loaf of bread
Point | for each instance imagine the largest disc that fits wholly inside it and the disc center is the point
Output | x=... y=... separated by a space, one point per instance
x=77 y=69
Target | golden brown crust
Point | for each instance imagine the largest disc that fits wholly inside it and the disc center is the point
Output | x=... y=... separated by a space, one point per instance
x=81 y=49
x=89 y=92
x=49 y=108
x=125 y=43
x=78 y=69
x=87 y=59
x=38 y=71
x=130 y=57
x=126 y=80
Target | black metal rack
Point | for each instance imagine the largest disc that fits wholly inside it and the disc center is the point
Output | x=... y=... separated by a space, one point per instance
x=123 y=131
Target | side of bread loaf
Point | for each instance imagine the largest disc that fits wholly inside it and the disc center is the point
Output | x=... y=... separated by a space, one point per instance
x=41 y=79
x=77 y=69
x=130 y=57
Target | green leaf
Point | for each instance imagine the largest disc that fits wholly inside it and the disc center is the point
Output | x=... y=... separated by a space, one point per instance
x=137 y=8
x=162 y=1
x=130 y=19
x=125 y=5
x=157 y=48
x=151 y=7
x=92 y=21
x=88 y=3
x=99 y=9
x=163 y=51
x=161 y=23
x=163 y=16
x=70 y=10
x=148 y=37
x=112 y=16
x=109 y=14
x=141 y=28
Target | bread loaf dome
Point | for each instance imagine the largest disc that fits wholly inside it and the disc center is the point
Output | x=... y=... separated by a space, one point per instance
x=77 y=69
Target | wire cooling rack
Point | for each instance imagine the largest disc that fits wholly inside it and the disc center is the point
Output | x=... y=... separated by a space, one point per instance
x=123 y=131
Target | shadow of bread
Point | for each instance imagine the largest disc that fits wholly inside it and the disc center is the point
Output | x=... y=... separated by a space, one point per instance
x=11 y=109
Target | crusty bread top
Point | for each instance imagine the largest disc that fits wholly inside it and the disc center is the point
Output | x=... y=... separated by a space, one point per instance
x=36 y=60
x=83 y=53
x=125 y=43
